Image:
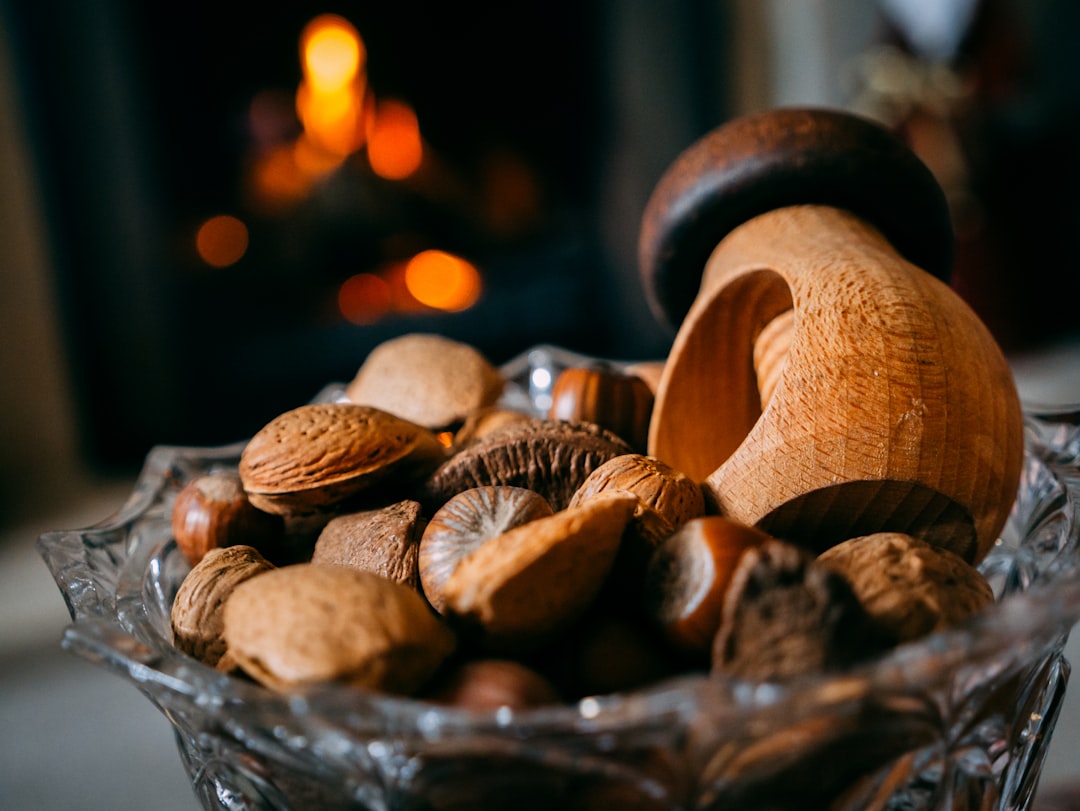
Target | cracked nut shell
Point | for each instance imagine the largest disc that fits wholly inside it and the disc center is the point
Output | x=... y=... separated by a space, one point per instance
x=385 y=542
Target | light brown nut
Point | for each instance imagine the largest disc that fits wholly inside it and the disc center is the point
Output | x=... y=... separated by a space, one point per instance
x=620 y=402
x=466 y=521
x=785 y=615
x=551 y=457
x=484 y=421
x=521 y=588
x=385 y=542
x=307 y=624
x=318 y=455
x=213 y=511
x=487 y=684
x=688 y=578
x=197 y=610
x=430 y=380
x=908 y=585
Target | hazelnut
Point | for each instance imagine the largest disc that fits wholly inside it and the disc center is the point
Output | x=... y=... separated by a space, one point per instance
x=688 y=577
x=464 y=523
x=487 y=684
x=620 y=402
x=213 y=511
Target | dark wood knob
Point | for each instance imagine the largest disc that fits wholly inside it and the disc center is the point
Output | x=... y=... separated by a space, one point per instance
x=785 y=157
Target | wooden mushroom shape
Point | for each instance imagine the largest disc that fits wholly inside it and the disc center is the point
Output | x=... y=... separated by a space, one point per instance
x=878 y=400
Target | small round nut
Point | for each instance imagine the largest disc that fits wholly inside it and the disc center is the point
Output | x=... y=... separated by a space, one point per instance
x=464 y=523
x=385 y=542
x=308 y=623
x=427 y=379
x=908 y=585
x=519 y=589
x=487 y=684
x=688 y=577
x=213 y=511
x=620 y=402
x=197 y=610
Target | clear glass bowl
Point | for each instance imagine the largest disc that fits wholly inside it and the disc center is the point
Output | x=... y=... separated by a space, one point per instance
x=959 y=720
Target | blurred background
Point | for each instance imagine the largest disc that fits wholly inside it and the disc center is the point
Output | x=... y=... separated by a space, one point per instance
x=209 y=210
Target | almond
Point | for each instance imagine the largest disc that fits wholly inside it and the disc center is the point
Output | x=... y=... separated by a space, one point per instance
x=318 y=455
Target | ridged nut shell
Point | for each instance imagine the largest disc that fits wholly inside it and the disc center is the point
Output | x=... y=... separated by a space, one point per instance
x=466 y=521
x=320 y=454
x=550 y=457
x=197 y=611
x=385 y=542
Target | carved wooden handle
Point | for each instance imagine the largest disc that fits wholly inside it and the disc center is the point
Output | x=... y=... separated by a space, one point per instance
x=891 y=407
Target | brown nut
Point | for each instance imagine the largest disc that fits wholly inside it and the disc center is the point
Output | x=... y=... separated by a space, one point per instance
x=385 y=542
x=487 y=684
x=550 y=457
x=785 y=615
x=521 y=588
x=484 y=421
x=688 y=577
x=908 y=585
x=213 y=511
x=197 y=610
x=318 y=455
x=466 y=521
x=620 y=402
x=430 y=380
x=308 y=624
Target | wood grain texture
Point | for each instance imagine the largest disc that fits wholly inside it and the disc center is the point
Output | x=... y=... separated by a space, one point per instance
x=893 y=410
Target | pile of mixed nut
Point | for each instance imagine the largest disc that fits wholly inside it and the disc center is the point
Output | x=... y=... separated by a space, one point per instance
x=420 y=539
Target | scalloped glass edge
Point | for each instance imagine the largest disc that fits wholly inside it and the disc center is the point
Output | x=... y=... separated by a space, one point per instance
x=118 y=578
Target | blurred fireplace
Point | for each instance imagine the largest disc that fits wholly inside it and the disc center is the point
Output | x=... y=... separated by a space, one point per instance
x=147 y=120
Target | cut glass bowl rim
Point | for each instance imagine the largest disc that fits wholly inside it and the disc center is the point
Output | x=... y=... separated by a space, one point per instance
x=102 y=572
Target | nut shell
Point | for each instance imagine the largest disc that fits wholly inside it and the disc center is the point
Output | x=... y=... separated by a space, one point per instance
x=385 y=542
x=620 y=402
x=320 y=454
x=908 y=585
x=197 y=611
x=213 y=511
x=307 y=624
x=427 y=379
x=550 y=457
x=467 y=521
x=521 y=588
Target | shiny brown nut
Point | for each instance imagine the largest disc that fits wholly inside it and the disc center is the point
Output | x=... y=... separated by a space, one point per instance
x=785 y=615
x=385 y=542
x=318 y=455
x=521 y=588
x=464 y=523
x=688 y=577
x=487 y=684
x=550 y=457
x=197 y=610
x=427 y=379
x=908 y=585
x=307 y=624
x=620 y=402
x=213 y=511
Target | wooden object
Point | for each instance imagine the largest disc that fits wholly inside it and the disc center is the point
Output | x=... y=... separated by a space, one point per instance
x=890 y=409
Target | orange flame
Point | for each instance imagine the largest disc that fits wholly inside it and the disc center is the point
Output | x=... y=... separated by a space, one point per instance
x=331 y=99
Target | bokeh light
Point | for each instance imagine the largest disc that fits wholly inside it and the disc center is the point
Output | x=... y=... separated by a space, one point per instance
x=442 y=280
x=364 y=298
x=394 y=146
x=221 y=241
